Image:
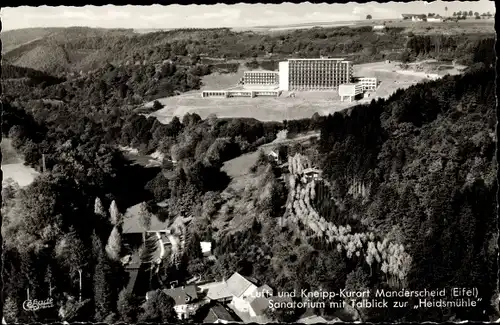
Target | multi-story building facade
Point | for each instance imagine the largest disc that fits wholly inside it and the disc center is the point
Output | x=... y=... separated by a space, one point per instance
x=261 y=77
x=314 y=74
x=368 y=84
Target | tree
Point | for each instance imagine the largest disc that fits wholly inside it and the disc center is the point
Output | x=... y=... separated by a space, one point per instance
x=446 y=10
x=114 y=214
x=144 y=216
x=405 y=56
x=470 y=13
x=357 y=281
x=128 y=306
x=159 y=308
x=72 y=253
x=102 y=289
x=10 y=310
x=157 y=105
x=368 y=51
x=368 y=16
x=114 y=246
x=99 y=208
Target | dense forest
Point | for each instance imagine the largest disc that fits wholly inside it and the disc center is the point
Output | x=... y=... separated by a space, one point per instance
x=83 y=49
x=415 y=174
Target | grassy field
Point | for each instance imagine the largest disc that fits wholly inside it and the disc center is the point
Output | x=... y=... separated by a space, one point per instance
x=305 y=104
x=13 y=165
x=245 y=188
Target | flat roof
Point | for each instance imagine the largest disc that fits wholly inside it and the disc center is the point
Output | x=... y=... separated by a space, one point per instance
x=351 y=84
x=260 y=71
x=243 y=90
x=319 y=59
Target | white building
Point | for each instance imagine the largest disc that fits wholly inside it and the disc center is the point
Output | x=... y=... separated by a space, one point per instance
x=314 y=74
x=350 y=91
x=368 y=84
x=379 y=27
x=241 y=93
x=242 y=289
x=206 y=248
x=435 y=19
x=283 y=75
x=261 y=77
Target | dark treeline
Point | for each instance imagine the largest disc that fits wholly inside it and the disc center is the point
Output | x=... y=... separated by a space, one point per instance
x=427 y=158
x=477 y=48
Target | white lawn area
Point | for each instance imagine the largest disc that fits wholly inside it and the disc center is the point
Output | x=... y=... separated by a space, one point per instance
x=13 y=166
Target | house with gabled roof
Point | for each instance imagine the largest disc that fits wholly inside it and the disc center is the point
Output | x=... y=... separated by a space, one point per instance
x=186 y=300
x=217 y=291
x=242 y=289
x=219 y=315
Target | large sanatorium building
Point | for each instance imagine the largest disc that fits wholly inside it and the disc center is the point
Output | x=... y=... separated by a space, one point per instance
x=314 y=74
x=300 y=74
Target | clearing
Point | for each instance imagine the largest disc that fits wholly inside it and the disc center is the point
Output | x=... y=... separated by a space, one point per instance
x=305 y=103
x=245 y=188
x=13 y=166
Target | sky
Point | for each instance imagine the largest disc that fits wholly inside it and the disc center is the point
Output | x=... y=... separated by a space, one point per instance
x=221 y=15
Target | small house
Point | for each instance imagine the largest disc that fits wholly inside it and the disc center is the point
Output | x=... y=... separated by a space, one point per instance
x=186 y=300
x=274 y=156
x=312 y=173
x=206 y=248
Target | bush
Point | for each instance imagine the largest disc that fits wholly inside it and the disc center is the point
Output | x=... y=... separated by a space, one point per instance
x=157 y=105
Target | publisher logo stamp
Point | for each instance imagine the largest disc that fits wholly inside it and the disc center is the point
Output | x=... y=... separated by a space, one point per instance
x=34 y=305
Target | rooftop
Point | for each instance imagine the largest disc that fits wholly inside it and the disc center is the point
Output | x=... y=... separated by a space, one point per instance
x=311 y=170
x=218 y=312
x=259 y=305
x=182 y=295
x=217 y=290
x=312 y=320
x=318 y=59
x=238 y=284
x=261 y=71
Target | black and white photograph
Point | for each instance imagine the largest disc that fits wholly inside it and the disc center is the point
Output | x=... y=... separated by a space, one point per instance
x=249 y=163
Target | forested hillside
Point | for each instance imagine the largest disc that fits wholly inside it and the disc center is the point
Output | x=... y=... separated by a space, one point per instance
x=427 y=156
x=417 y=170
x=85 y=49
x=407 y=196
x=57 y=213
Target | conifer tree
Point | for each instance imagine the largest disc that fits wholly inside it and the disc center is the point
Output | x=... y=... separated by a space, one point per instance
x=114 y=214
x=114 y=246
x=102 y=288
x=99 y=208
